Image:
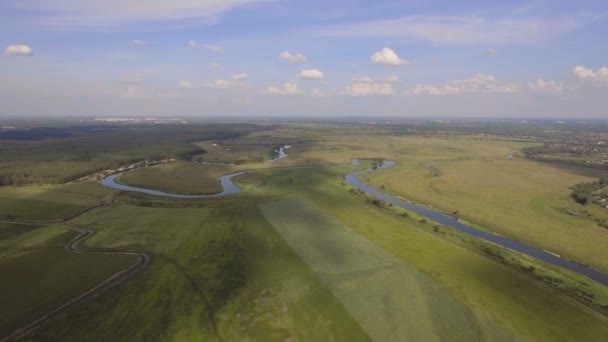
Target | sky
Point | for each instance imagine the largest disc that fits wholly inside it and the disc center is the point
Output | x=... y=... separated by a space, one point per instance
x=209 y=58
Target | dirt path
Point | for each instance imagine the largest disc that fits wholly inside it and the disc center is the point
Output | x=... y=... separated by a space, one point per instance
x=76 y=246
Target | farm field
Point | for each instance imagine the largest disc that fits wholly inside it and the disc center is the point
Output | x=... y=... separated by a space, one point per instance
x=180 y=177
x=493 y=292
x=300 y=255
x=50 y=202
x=38 y=274
x=522 y=199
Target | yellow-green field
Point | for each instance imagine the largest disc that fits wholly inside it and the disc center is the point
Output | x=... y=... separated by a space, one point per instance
x=50 y=202
x=298 y=255
x=39 y=274
x=179 y=177
x=526 y=200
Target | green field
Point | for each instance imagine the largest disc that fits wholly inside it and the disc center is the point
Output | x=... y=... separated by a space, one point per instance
x=50 y=202
x=526 y=200
x=38 y=274
x=214 y=272
x=179 y=177
x=494 y=293
x=300 y=256
x=389 y=298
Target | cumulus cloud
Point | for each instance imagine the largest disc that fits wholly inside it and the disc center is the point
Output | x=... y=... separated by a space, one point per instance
x=286 y=89
x=479 y=84
x=311 y=74
x=239 y=77
x=362 y=79
x=18 y=50
x=547 y=87
x=392 y=79
x=218 y=84
x=369 y=89
x=387 y=56
x=317 y=92
x=584 y=73
x=184 y=84
x=293 y=58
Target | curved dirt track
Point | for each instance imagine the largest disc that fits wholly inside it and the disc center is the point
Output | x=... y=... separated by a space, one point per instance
x=75 y=246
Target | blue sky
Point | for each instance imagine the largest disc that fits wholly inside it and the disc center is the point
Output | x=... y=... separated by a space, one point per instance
x=319 y=58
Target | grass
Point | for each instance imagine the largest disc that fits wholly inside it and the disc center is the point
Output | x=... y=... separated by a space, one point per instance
x=297 y=256
x=38 y=274
x=240 y=151
x=390 y=299
x=179 y=177
x=50 y=202
x=506 y=303
x=525 y=200
x=216 y=273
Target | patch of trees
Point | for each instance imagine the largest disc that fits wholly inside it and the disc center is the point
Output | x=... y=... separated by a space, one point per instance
x=188 y=155
x=583 y=193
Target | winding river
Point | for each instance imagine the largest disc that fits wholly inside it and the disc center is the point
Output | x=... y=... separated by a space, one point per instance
x=353 y=179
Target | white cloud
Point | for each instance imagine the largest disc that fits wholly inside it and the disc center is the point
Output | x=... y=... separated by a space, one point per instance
x=183 y=84
x=193 y=43
x=294 y=58
x=456 y=29
x=137 y=42
x=362 y=79
x=311 y=74
x=317 y=92
x=213 y=48
x=547 y=87
x=588 y=74
x=18 y=50
x=392 y=79
x=491 y=52
x=369 y=89
x=387 y=56
x=286 y=89
x=95 y=14
x=215 y=65
x=219 y=84
x=239 y=77
x=479 y=84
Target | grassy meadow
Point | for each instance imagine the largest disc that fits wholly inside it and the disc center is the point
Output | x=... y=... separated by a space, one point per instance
x=50 y=202
x=38 y=274
x=216 y=273
x=298 y=256
x=503 y=302
x=179 y=177
x=526 y=200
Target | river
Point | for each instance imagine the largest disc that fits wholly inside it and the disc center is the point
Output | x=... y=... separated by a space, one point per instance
x=353 y=179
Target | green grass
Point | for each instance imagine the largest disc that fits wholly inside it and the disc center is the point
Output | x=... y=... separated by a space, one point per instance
x=522 y=199
x=38 y=274
x=241 y=151
x=50 y=202
x=296 y=256
x=194 y=290
x=504 y=301
x=390 y=299
x=179 y=177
